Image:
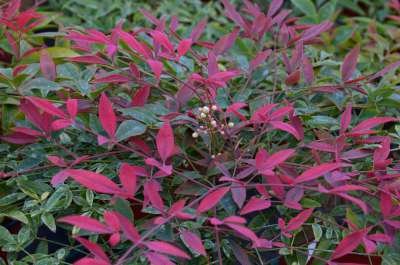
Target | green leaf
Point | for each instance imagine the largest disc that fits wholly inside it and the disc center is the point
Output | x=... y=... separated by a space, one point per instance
x=130 y=128
x=309 y=203
x=55 y=52
x=11 y=198
x=307 y=7
x=23 y=235
x=317 y=230
x=55 y=199
x=41 y=83
x=5 y=236
x=49 y=221
x=16 y=215
x=123 y=206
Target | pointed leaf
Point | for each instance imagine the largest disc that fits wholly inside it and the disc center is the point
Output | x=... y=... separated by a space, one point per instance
x=93 y=181
x=350 y=63
x=212 y=199
x=345 y=119
x=47 y=106
x=317 y=171
x=255 y=204
x=47 y=65
x=95 y=249
x=107 y=116
x=166 y=248
x=165 y=141
x=194 y=242
x=85 y=223
x=128 y=178
x=156 y=67
x=348 y=244
x=296 y=222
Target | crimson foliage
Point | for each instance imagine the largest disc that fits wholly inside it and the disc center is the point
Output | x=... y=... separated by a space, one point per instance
x=207 y=144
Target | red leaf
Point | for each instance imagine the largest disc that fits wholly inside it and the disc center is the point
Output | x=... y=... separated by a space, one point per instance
x=238 y=194
x=244 y=231
x=315 y=30
x=194 y=242
x=165 y=141
x=95 y=249
x=308 y=71
x=259 y=59
x=370 y=123
x=91 y=261
x=156 y=67
x=386 y=204
x=287 y=128
x=160 y=38
x=141 y=96
x=345 y=119
x=292 y=198
x=113 y=78
x=350 y=63
x=183 y=47
x=212 y=199
x=111 y=219
x=226 y=42
x=134 y=44
x=385 y=70
x=293 y=78
x=234 y=15
x=47 y=106
x=47 y=65
x=255 y=204
x=348 y=244
x=274 y=7
x=321 y=146
x=296 y=222
x=348 y=187
x=128 y=229
x=382 y=153
x=72 y=107
x=19 y=138
x=235 y=107
x=90 y=59
x=85 y=223
x=107 y=116
x=198 y=30
x=128 y=178
x=166 y=248
x=354 y=200
x=317 y=171
x=158 y=259
x=151 y=190
x=58 y=161
x=149 y=16
x=93 y=181
x=60 y=124
x=275 y=159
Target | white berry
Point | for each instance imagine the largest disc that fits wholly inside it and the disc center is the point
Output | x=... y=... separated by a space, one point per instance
x=231 y=124
x=195 y=135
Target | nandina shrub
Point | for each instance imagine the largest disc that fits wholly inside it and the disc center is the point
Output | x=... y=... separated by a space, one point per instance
x=159 y=146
